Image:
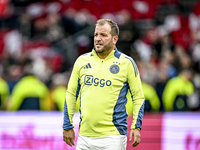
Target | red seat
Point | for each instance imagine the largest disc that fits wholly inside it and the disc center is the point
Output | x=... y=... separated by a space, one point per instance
x=182 y=36
x=3 y=32
x=35 y=44
x=196 y=9
x=137 y=7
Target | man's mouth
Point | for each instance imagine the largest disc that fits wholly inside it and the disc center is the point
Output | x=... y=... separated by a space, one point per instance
x=98 y=45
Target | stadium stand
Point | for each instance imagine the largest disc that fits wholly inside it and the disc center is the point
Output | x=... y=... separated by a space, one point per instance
x=47 y=37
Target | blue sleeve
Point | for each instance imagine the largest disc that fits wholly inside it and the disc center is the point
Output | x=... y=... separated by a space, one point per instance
x=66 y=122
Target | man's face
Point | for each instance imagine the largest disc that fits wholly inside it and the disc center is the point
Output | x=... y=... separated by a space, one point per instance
x=103 y=40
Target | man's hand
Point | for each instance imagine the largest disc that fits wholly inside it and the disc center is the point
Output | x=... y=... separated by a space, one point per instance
x=69 y=137
x=136 y=134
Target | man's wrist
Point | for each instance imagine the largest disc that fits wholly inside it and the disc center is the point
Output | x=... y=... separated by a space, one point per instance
x=137 y=128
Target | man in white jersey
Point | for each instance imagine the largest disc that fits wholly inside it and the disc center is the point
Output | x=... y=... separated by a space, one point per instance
x=102 y=78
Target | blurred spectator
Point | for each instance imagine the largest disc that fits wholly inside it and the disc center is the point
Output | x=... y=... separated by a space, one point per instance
x=12 y=70
x=152 y=102
x=177 y=90
x=69 y=23
x=165 y=71
x=143 y=49
x=128 y=31
x=84 y=18
x=165 y=64
x=4 y=93
x=195 y=51
x=58 y=91
x=13 y=43
x=181 y=59
x=13 y=76
x=35 y=10
x=25 y=26
x=55 y=28
x=148 y=72
x=162 y=42
x=194 y=98
x=39 y=29
x=177 y=26
x=29 y=94
x=41 y=69
x=194 y=20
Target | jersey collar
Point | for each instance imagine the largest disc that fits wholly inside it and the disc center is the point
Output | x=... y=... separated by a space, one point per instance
x=114 y=53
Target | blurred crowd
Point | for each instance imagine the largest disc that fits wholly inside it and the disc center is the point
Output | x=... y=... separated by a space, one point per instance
x=40 y=40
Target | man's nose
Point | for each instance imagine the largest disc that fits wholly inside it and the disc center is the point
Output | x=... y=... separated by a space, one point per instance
x=97 y=38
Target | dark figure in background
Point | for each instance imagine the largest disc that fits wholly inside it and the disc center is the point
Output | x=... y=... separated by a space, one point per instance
x=128 y=32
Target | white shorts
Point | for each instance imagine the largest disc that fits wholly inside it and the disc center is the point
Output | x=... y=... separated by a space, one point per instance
x=113 y=142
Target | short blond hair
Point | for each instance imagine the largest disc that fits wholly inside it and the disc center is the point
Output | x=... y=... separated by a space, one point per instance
x=113 y=25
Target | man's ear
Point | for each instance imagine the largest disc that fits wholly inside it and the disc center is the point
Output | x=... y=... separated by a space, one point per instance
x=115 y=39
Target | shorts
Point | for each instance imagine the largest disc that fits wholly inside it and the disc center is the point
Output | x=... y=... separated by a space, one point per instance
x=112 y=142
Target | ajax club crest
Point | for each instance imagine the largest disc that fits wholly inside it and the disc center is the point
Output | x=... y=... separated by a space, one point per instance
x=114 y=69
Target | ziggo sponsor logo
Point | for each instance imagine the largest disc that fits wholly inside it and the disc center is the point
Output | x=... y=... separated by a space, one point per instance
x=191 y=142
x=90 y=80
x=30 y=140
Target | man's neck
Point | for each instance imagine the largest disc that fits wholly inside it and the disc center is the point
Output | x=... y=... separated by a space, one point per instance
x=103 y=55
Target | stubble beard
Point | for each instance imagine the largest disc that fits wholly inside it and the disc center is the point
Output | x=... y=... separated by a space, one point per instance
x=105 y=48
